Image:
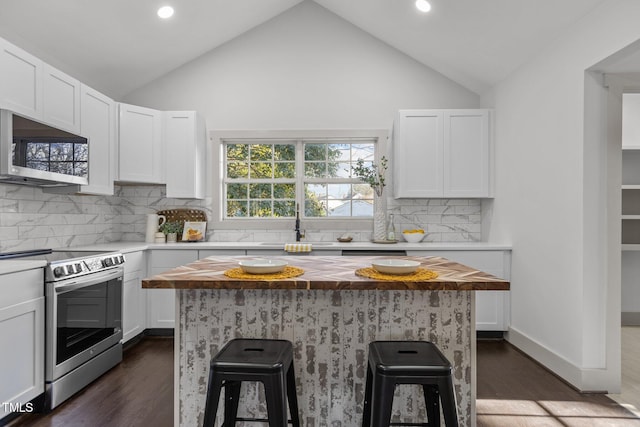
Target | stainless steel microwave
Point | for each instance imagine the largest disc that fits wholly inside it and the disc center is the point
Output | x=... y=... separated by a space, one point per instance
x=34 y=153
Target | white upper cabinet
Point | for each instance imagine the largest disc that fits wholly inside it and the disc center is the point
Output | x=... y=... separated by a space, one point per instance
x=441 y=153
x=140 y=145
x=61 y=100
x=417 y=154
x=185 y=138
x=98 y=115
x=466 y=153
x=631 y=121
x=20 y=81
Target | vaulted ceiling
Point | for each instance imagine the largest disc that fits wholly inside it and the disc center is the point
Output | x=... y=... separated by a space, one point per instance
x=117 y=46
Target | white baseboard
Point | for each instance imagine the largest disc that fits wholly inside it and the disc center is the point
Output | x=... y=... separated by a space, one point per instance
x=584 y=380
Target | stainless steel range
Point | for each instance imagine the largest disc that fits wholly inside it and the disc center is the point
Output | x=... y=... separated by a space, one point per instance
x=83 y=293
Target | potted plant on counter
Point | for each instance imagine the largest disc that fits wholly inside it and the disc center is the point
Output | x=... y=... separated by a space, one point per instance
x=171 y=229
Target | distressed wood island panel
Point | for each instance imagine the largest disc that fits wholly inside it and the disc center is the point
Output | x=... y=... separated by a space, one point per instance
x=330 y=315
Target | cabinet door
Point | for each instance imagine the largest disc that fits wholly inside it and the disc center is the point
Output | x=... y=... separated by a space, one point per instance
x=20 y=81
x=492 y=307
x=133 y=306
x=98 y=124
x=417 y=154
x=22 y=367
x=61 y=100
x=466 y=153
x=134 y=298
x=184 y=138
x=140 y=147
x=161 y=303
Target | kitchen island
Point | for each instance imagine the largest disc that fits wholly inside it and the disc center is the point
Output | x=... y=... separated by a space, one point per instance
x=330 y=314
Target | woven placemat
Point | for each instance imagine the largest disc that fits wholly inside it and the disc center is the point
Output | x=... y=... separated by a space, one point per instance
x=421 y=274
x=287 y=273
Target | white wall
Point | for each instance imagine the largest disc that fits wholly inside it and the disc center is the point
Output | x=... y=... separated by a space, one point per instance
x=310 y=69
x=305 y=69
x=550 y=185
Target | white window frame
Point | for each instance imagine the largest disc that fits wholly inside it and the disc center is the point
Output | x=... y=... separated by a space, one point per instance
x=216 y=178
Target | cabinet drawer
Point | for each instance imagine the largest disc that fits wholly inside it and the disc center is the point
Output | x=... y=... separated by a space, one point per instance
x=21 y=286
x=172 y=258
x=134 y=261
x=220 y=252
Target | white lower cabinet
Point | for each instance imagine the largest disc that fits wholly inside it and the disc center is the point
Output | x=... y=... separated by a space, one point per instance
x=161 y=303
x=22 y=334
x=282 y=252
x=134 y=301
x=492 y=307
x=220 y=252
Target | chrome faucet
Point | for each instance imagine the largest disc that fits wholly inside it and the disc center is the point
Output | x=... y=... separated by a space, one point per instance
x=297 y=229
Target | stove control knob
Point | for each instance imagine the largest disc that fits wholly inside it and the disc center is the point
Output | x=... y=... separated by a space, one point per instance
x=107 y=262
x=78 y=268
x=121 y=259
x=59 y=272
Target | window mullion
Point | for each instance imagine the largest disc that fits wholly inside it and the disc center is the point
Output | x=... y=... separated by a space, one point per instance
x=300 y=193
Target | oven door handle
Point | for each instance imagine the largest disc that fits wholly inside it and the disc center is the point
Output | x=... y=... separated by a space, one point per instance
x=83 y=281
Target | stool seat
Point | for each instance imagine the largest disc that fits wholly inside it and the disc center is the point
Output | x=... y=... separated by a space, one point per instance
x=408 y=362
x=250 y=359
x=254 y=355
x=408 y=358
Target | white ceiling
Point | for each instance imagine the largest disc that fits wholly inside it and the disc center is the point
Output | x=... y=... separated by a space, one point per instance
x=117 y=46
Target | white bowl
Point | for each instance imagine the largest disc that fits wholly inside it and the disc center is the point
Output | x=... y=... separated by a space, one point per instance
x=262 y=266
x=395 y=266
x=413 y=237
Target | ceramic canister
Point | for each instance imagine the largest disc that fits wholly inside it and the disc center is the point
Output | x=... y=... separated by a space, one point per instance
x=153 y=222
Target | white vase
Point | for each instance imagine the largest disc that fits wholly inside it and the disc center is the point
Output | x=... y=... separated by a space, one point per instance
x=172 y=237
x=379 y=218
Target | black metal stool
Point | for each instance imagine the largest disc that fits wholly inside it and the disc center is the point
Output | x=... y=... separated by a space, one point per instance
x=267 y=361
x=408 y=362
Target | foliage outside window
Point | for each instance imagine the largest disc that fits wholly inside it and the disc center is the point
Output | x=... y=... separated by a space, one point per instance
x=269 y=179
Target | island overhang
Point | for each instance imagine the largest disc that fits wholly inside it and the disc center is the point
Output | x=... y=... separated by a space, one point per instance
x=325 y=272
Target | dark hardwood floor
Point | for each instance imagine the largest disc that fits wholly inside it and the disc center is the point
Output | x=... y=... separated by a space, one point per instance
x=137 y=393
x=513 y=391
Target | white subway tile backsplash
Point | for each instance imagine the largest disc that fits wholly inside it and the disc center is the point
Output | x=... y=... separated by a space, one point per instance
x=31 y=219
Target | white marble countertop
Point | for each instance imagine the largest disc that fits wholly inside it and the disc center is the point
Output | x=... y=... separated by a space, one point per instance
x=12 y=266
x=16 y=265
x=317 y=246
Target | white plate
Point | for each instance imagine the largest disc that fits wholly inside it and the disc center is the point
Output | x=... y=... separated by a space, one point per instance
x=262 y=266
x=395 y=266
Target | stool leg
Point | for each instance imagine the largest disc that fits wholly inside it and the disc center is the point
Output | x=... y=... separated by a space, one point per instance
x=448 y=398
x=366 y=410
x=231 y=398
x=276 y=401
x=432 y=401
x=213 y=397
x=292 y=396
x=382 y=400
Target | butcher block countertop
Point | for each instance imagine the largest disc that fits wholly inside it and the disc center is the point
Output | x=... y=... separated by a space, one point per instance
x=324 y=272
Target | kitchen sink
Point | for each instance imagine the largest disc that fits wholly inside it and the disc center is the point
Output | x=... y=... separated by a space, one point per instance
x=312 y=243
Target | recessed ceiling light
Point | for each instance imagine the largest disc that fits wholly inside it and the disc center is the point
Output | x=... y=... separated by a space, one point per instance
x=165 y=12
x=423 y=6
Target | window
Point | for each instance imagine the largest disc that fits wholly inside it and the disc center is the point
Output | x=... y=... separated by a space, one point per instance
x=271 y=178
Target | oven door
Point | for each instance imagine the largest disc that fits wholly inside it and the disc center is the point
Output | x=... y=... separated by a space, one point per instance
x=84 y=318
